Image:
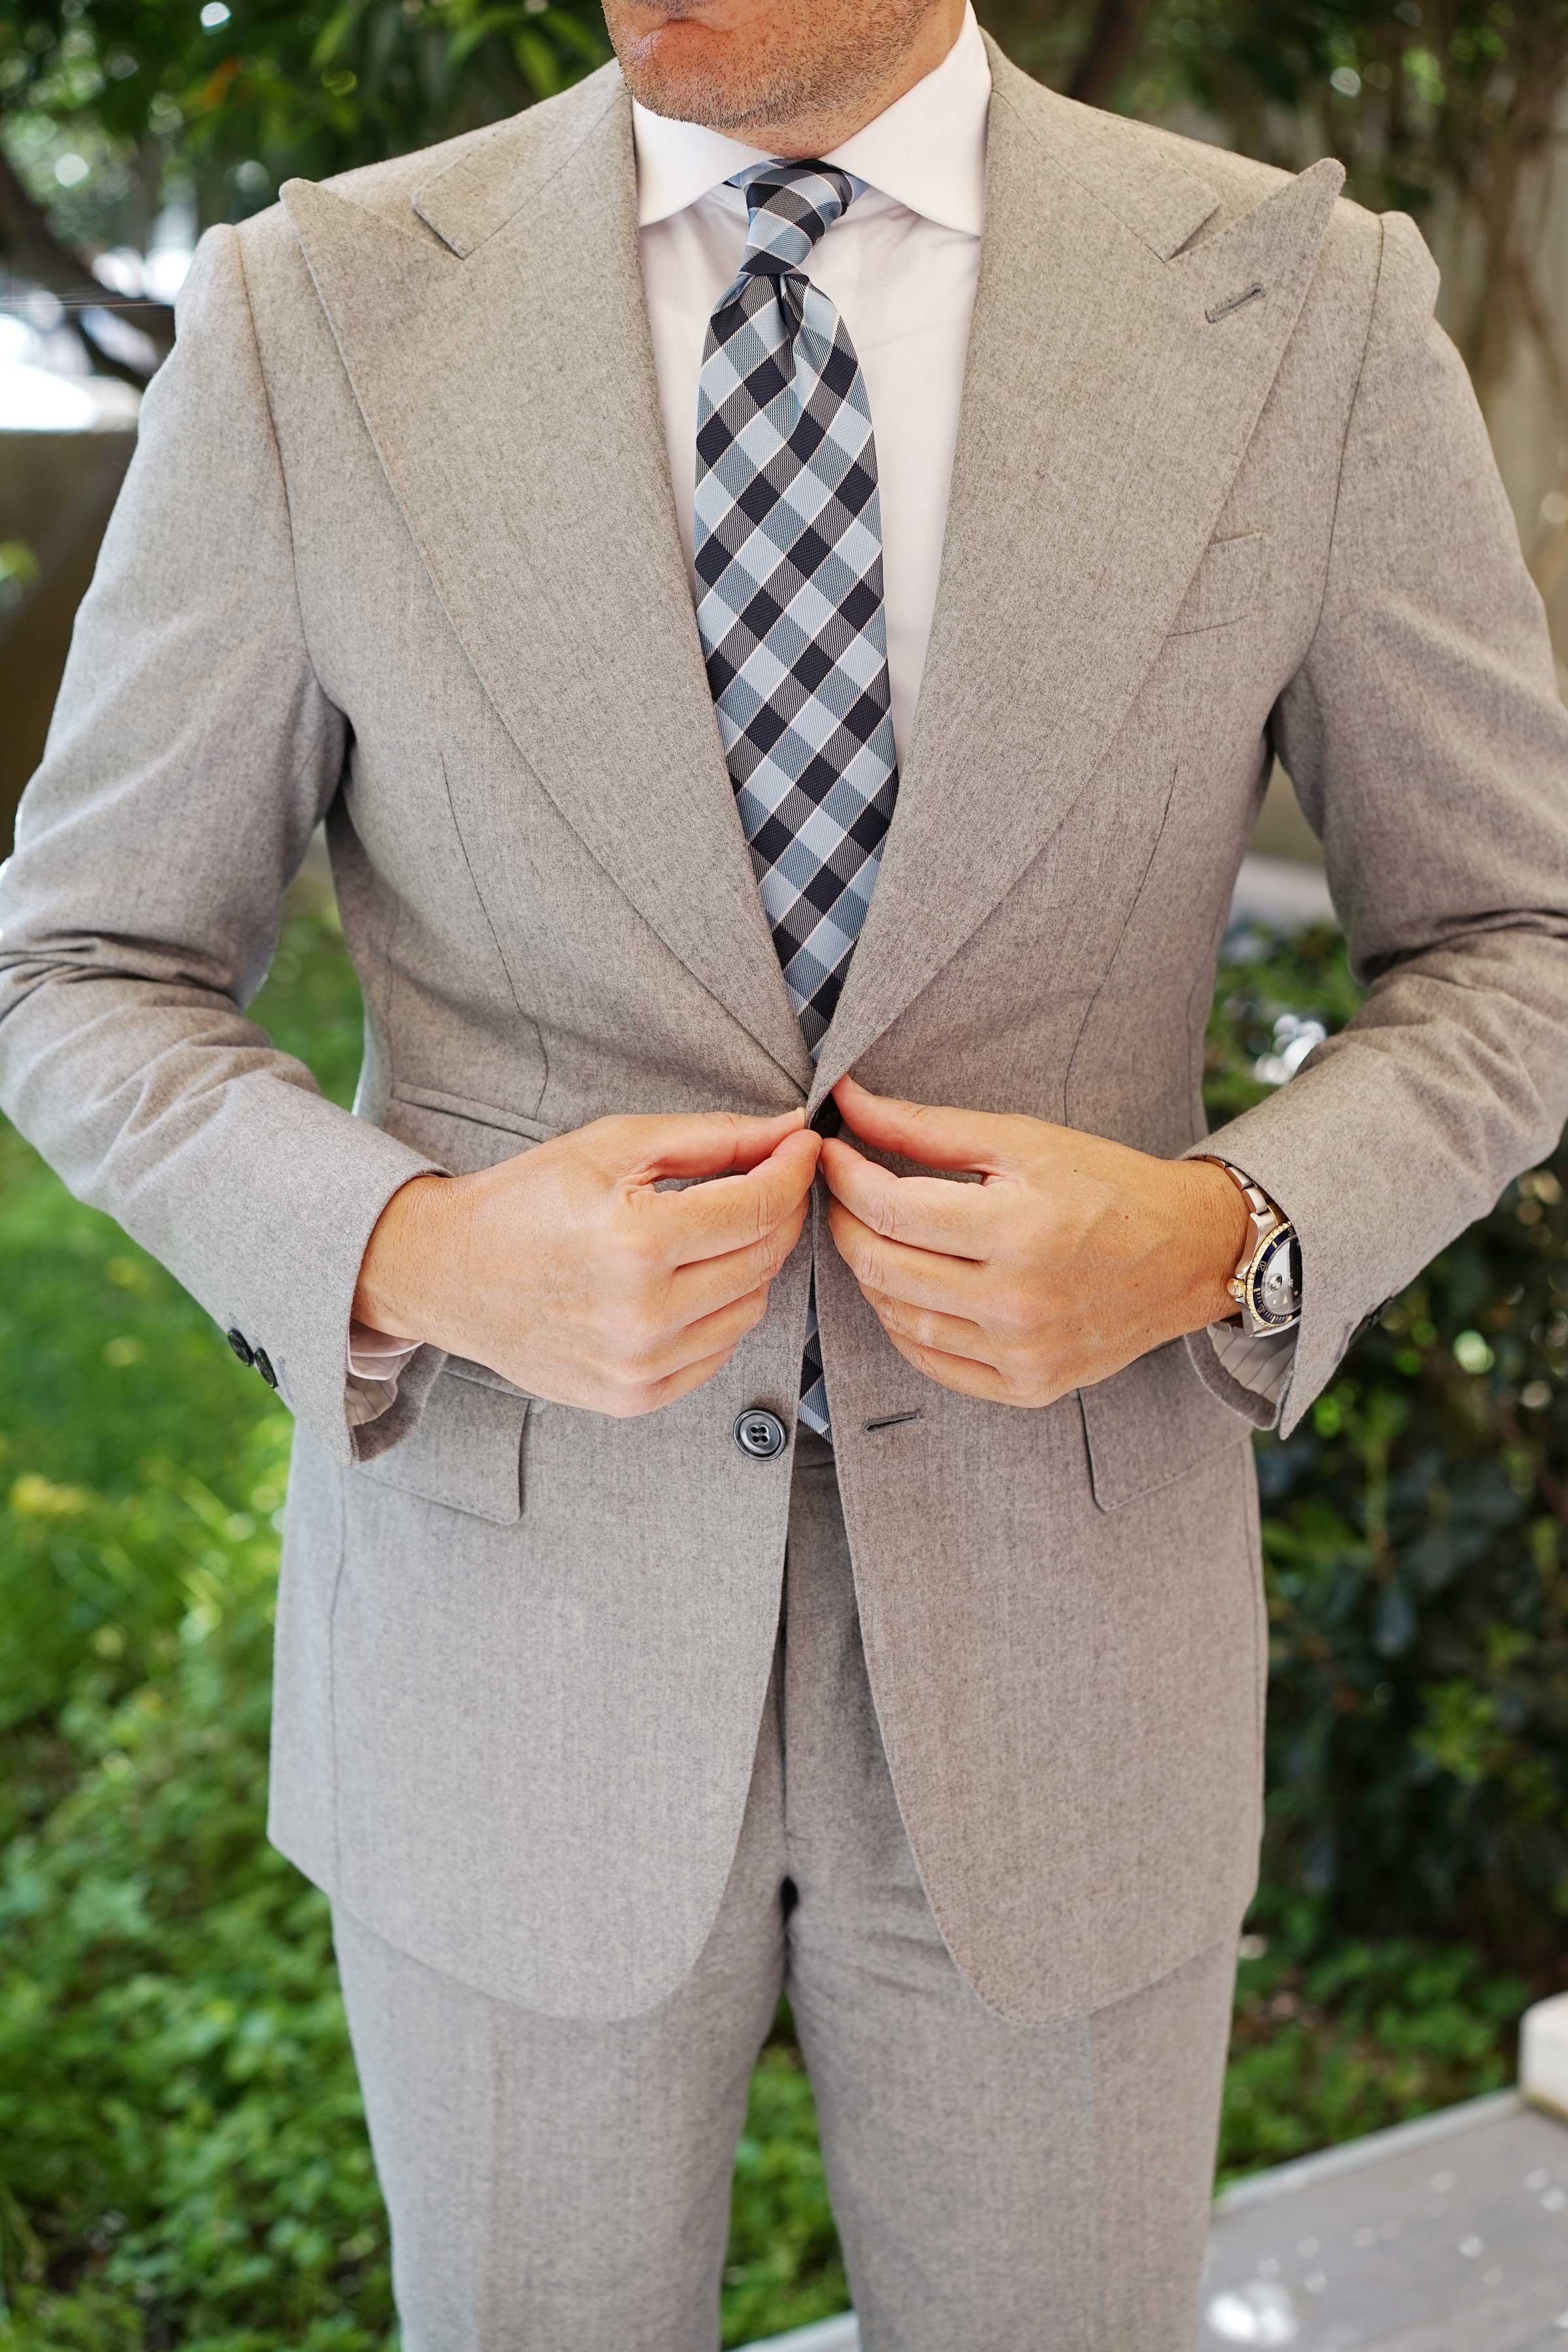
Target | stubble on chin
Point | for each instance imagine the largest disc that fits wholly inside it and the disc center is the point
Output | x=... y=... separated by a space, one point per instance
x=773 y=73
x=733 y=96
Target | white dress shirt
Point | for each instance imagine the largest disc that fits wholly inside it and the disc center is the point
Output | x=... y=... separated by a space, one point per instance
x=901 y=267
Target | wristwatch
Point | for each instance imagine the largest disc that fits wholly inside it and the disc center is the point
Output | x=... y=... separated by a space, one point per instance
x=1266 y=1284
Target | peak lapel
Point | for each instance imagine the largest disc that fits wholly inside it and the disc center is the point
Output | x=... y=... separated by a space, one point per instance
x=1105 y=414
x=506 y=377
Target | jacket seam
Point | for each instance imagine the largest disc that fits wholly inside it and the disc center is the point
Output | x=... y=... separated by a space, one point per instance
x=1346 y=440
x=1133 y=904
x=1258 y=1591
x=501 y=958
x=277 y=454
x=338 y=1567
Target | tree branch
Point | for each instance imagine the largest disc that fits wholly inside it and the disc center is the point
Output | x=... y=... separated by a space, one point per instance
x=30 y=245
x=1109 y=49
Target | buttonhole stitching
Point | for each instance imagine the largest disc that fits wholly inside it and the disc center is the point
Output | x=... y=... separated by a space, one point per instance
x=1223 y=309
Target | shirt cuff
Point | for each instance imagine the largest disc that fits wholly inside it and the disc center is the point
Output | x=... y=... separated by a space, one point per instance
x=376 y=1363
x=1261 y=1362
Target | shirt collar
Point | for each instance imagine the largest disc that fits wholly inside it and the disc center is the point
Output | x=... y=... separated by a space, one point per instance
x=927 y=150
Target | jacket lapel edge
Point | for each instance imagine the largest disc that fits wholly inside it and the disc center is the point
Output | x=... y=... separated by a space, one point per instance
x=529 y=535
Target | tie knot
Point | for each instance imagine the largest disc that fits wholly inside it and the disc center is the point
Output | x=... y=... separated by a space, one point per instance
x=791 y=204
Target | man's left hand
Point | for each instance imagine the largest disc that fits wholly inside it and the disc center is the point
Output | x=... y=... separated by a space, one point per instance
x=1071 y=1255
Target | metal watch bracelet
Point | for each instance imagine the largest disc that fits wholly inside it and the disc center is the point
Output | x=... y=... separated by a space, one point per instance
x=1266 y=1284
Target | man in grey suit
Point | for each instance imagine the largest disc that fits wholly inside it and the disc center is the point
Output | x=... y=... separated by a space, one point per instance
x=785 y=571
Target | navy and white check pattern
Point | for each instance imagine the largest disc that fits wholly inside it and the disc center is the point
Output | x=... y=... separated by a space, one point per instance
x=788 y=548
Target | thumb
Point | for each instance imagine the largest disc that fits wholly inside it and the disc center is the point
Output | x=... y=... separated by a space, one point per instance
x=705 y=1143
x=934 y=1133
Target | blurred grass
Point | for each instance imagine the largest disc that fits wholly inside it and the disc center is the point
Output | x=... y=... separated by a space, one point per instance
x=182 y=2159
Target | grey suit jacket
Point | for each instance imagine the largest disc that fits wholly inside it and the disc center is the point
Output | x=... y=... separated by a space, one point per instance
x=398 y=547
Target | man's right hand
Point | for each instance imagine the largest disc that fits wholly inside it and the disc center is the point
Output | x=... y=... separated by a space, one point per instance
x=566 y=1271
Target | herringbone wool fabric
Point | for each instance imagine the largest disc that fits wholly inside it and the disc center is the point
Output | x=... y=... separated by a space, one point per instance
x=789 y=555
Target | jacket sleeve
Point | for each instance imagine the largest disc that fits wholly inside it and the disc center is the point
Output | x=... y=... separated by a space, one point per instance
x=191 y=751
x=1428 y=747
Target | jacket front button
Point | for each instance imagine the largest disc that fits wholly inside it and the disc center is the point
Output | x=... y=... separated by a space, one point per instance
x=241 y=1345
x=263 y=1363
x=760 y=1432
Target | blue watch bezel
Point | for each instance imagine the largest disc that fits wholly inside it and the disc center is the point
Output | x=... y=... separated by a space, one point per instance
x=1284 y=1237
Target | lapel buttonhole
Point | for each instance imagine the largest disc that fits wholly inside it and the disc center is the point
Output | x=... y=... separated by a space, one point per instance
x=1224 y=309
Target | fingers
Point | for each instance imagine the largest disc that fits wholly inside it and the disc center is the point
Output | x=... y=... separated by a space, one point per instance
x=927 y=1327
x=932 y=1133
x=954 y=1285
x=730 y=1211
x=696 y=1143
x=718 y=1333
x=641 y=1380
x=929 y=1212
x=708 y=1283
x=679 y=1384
x=958 y=1372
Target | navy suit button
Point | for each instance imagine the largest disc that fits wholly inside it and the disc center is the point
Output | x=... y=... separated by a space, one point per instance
x=241 y=1345
x=264 y=1366
x=760 y=1432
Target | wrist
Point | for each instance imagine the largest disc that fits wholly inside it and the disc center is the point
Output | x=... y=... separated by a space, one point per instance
x=1211 y=1233
x=399 y=1283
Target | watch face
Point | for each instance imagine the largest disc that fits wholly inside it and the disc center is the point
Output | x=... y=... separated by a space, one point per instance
x=1277 y=1280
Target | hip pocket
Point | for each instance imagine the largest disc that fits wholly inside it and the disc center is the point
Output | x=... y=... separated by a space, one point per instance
x=464 y=1451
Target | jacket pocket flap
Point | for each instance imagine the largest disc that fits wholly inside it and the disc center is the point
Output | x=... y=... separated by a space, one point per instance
x=461 y=1137
x=1151 y=1423
x=464 y=1451
x=465 y=1368
x=1228 y=582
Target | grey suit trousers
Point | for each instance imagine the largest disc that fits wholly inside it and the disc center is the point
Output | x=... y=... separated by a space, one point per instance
x=557 y=2182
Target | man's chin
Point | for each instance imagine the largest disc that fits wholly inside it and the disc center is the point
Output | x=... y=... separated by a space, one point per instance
x=688 y=98
x=692 y=74
x=681 y=69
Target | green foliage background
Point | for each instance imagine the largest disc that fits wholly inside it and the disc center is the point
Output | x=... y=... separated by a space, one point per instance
x=182 y=2159
x=1416 y=1529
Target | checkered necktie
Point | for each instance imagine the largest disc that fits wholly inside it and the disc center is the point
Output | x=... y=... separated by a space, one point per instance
x=789 y=567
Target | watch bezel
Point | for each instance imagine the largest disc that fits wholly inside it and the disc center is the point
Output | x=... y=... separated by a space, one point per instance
x=1280 y=1237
